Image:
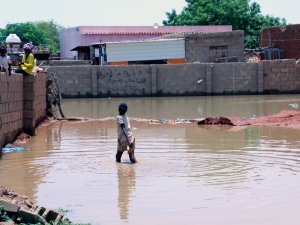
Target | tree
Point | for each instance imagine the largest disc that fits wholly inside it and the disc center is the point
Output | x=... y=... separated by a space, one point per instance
x=41 y=32
x=51 y=30
x=241 y=14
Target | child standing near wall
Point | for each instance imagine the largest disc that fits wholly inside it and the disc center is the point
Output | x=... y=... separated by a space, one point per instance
x=126 y=140
x=5 y=63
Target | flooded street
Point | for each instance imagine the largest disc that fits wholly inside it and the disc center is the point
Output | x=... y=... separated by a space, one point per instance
x=186 y=174
x=183 y=107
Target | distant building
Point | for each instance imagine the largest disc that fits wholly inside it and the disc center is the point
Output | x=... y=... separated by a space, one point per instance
x=212 y=47
x=286 y=38
x=80 y=38
x=172 y=49
x=158 y=51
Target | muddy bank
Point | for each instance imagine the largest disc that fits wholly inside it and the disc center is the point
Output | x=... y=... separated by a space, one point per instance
x=285 y=118
x=23 y=137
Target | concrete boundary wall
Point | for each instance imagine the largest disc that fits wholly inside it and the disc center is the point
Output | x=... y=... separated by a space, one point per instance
x=267 y=77
x=22 y=105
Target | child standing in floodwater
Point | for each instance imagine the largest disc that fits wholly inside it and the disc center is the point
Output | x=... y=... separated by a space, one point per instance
x=126 y=140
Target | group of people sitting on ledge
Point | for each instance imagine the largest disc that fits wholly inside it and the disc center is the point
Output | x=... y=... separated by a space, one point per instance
x=25 y=67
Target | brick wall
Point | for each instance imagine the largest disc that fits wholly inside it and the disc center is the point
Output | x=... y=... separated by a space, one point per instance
x=208 y=47
x=34 y=93
x=205 y=48
x=280 y=76
x=11 y=107
x=286 y=38
x=22 y=104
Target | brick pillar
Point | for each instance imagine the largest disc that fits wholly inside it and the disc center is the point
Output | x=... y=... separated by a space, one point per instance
x=260 y=78
x=95 y=77
x=34 y=111
x=153 y=80
x=208 y=78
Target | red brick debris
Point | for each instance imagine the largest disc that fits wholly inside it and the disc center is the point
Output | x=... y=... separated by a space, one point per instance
x=214 y=121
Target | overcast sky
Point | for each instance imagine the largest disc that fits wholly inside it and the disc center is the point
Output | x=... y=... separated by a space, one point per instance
x=117 y=12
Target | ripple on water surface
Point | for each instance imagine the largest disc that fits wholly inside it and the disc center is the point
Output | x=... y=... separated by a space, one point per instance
x=185 y=174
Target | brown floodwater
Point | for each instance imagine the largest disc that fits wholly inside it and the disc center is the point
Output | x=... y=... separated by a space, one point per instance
x=186 y=174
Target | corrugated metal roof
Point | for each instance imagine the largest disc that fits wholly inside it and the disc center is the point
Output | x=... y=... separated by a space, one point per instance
x=91 y=30
x=79 y=48
x=112 y=33
x=144 y=41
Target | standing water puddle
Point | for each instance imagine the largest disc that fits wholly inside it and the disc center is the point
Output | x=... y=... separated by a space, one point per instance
x=185 y=175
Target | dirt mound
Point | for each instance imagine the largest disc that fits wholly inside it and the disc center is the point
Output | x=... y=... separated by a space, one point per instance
x=285 y=118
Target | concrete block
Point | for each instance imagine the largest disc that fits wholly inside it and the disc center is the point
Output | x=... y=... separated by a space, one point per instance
x=9 y=207
x=29 y=87
x=28 y=105
x=4 y=98
x=9 y=222
x=29 y=96
x=28 y=124
x=29 y=79
x=28 y=216
x=28 y=114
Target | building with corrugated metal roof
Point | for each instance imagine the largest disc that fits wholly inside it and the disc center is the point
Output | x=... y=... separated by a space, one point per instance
x=84 y=36
x=169 y=49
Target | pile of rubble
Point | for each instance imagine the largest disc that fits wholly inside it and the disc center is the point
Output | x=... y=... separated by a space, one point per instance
x=17 y=209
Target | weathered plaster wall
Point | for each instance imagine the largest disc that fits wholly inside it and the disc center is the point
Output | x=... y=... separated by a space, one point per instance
x=22 y=104
x=280 y=76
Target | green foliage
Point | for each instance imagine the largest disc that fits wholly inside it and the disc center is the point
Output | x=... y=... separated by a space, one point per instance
x=3 y=215
x=241 y=14
x=41 y=32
